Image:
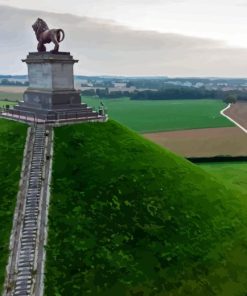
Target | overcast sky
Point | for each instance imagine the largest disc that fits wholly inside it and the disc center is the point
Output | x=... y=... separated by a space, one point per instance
x=134 y=37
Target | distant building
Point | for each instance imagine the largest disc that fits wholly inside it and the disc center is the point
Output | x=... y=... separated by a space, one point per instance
x=199 y=84
x=122 y=88
x=228 y=88
x=119 y=85
x=187 y=84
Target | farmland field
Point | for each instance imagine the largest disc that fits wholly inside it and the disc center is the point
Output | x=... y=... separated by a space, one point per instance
x=233 y=173
x=154 y=116
x=230 y=141
x=238 y=112
x=10 y=96
x=11 y=93
x=12 y=89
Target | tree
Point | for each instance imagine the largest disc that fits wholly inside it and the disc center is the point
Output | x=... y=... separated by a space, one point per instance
x=230 y=99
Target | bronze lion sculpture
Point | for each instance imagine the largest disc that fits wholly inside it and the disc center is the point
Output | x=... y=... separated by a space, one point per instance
x=45 y=35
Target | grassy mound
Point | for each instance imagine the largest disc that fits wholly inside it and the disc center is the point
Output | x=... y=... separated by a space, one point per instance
x=233 y=173
x=130 y=218
x=12 y=142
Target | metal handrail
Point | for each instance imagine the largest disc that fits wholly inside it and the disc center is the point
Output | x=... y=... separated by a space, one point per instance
x=57 y=117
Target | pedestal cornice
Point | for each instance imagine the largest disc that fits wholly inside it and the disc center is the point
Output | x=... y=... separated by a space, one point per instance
x=47 y=57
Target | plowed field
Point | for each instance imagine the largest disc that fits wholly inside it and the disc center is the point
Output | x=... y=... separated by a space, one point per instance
x=238 y=112
x=230 y=141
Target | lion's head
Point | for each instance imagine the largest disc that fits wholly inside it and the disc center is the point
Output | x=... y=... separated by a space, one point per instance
x=39 y=27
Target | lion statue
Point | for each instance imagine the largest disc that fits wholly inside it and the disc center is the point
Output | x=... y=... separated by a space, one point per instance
x=45 y=35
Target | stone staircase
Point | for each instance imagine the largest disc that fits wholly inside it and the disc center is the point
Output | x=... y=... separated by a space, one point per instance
x=27 y=268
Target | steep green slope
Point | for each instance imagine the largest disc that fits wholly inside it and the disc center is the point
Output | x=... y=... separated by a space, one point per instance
x=233 y=173
x=12 y=142
x=130 y=218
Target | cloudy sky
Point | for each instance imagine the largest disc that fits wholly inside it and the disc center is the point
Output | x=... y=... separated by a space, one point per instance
x=133 y=37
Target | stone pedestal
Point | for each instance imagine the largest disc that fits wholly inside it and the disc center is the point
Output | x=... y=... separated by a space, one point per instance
x=51 y=93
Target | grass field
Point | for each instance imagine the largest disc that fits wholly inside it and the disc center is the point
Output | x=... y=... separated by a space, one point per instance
x=4 y=103
x=128 y=217
x=12 y=142
x=153 y=116
x=233 y=173
x=10 y=96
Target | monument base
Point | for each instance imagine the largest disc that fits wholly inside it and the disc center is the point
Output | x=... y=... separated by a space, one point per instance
x=51 y=99
x=82 y=111
x=51 y=95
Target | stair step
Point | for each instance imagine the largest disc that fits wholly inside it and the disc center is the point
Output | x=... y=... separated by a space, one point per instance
x=30 y=220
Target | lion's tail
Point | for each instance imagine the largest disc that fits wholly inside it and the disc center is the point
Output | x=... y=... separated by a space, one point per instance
x=59 y=31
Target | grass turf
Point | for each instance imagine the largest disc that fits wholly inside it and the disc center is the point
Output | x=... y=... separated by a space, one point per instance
x=4 y=103
x=10 y=96
x=233 y=173
x=154 y=116
x=130 y=218
x=12 y=142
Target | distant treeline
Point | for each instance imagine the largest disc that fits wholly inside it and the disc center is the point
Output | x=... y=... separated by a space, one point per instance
x=104 y=93
x=159 y=83
x=176 y=93
x=167 y=94
x=13 y=83
x=16 y=77
x=187 y=93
